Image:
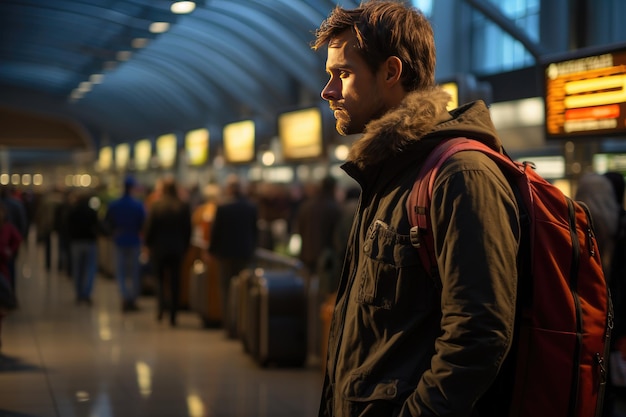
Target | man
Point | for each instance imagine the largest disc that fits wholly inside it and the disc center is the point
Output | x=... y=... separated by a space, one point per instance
x=167 y=235
x=82 y=233
x=234 y=237
x=403 y=343
x=125 y=219
x=316 y=221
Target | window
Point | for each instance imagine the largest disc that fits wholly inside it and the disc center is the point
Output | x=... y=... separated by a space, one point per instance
x=495 y=50
x=426 y=6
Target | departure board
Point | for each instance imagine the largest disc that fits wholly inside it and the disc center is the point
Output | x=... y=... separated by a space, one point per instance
x=586 y=96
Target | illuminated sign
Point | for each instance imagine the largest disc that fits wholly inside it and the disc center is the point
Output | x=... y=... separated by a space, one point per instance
x=603 y=162
x=197 y=146
x=300 y=134
x=452 y=88
x=143 y=153
x=105 y=158
x=586 y=96
x=122 y=155
x=239 y=141
x=166 y=150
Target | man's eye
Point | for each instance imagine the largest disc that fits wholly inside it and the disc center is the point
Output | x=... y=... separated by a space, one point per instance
x=343 y=74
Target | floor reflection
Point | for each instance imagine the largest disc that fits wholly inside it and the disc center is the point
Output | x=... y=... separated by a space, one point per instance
x=60 y=359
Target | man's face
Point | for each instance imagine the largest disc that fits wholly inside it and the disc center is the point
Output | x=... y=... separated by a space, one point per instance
x=353 y=92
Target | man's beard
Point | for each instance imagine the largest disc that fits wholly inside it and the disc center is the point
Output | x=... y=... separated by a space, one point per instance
x=343 y=123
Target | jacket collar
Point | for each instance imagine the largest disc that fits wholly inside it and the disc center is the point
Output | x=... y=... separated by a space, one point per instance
x=421 y=113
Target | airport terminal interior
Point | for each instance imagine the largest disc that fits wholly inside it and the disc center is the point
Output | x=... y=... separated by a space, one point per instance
x=95 y=92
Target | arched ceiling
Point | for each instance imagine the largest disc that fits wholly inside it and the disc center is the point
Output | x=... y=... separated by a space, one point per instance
x=226 y=60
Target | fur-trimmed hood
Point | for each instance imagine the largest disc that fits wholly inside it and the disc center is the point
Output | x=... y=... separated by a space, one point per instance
x=421 y=113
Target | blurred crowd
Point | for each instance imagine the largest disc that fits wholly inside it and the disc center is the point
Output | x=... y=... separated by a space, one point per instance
x=148 y=237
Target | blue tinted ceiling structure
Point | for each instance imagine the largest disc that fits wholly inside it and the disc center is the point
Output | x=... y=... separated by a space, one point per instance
x=224 y=61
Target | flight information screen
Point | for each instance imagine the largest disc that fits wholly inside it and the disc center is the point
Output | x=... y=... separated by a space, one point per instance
x=586 y=96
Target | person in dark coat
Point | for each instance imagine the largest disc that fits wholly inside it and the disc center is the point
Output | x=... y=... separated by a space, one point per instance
x=83 y=227
x=596 y=192
x=316 y=222
x=233 y=236
x=167 y=235
x=342 y=231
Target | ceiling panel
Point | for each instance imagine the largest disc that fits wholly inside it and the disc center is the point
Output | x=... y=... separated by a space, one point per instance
x=226 y=60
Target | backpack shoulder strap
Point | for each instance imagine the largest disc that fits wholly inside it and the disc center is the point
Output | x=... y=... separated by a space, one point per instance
x=419 y=199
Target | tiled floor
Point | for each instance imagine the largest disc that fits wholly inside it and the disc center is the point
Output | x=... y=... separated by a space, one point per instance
x=63 y=360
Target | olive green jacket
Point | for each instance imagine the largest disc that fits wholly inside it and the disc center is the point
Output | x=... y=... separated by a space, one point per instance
x=402 y=343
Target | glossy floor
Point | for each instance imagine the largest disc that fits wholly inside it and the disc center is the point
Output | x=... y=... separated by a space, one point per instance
x=60 y=359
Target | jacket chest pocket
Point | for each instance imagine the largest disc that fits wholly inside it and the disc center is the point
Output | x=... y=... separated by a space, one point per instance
x=391 y=275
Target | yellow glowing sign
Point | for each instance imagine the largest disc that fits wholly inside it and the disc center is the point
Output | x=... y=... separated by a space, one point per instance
x=105 y=159
x=300 y=133
x=239 y=141
x=586 y=96
x=452 y=89
x=143 y=153
x=166 y=150
x=197 y=146
x=122 y=155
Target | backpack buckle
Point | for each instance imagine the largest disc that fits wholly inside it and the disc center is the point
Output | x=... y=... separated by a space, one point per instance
x=414 y=235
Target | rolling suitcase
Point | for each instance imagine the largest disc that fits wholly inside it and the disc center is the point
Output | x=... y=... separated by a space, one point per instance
x=237 y=304
x=277 y=318
x=246 y=278
x=203 y=293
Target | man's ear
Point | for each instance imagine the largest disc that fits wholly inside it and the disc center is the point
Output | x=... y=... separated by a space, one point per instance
x=393 y=70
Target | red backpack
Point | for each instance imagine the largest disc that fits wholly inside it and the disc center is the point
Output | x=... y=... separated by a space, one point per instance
x=564 y=316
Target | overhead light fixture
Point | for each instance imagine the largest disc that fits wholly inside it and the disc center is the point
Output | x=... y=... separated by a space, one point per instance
x=139 y=43
x=159 y=27
x=183 y=7
x=84 y=87
x=75 y=96
x=96 y=78
x=123 y=55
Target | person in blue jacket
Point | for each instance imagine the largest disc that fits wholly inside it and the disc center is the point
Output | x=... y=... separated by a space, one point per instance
x=125 y=219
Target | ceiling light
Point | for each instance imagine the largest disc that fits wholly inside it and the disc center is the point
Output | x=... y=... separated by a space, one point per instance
x=96 y=78
x=139 y=43
x=123 y=55
x=75 y=96
x=84 y=87
x=37 y=179
x=159 y=27
x=183 y=7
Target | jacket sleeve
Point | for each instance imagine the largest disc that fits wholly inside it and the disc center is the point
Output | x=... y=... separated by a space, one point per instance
x=476 y=232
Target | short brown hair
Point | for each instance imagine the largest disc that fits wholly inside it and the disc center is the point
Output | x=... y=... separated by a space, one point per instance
x=384 y=29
